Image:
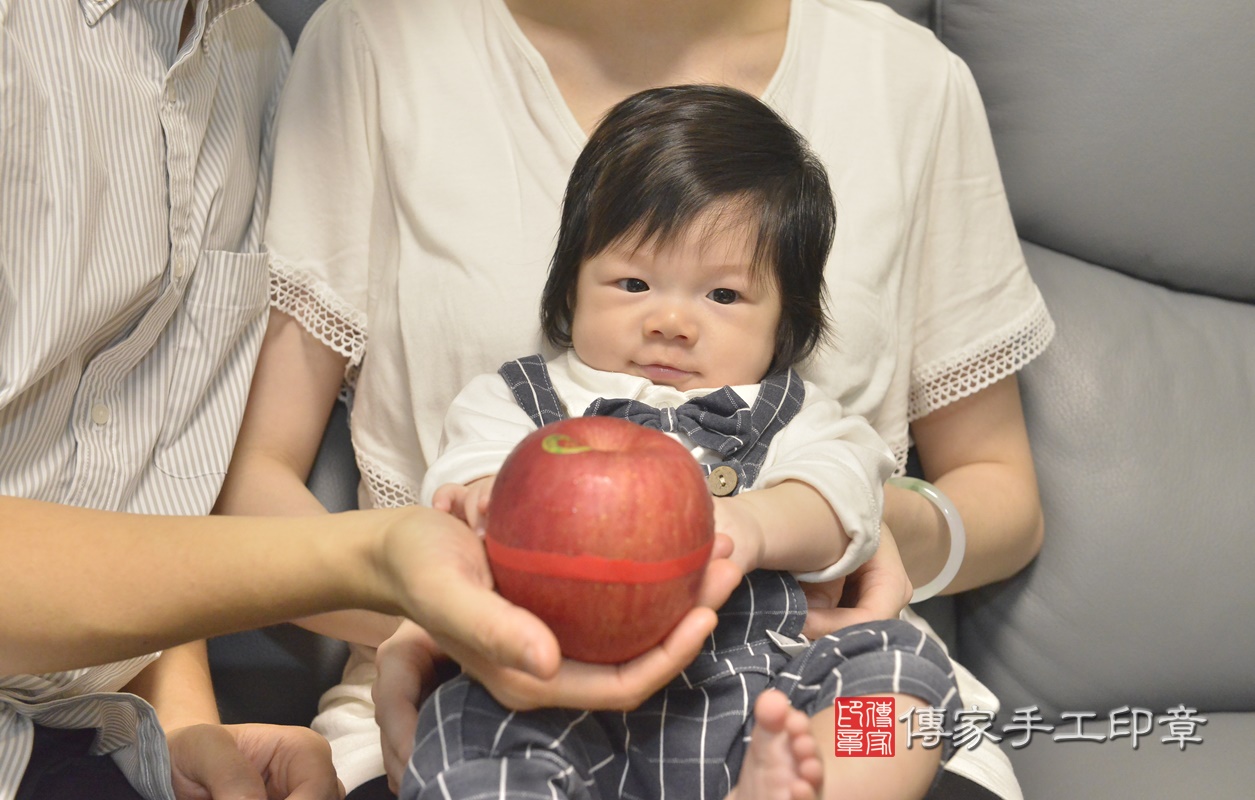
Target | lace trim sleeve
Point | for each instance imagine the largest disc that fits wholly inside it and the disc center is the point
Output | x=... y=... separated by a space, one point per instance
x=936 y=385
x=320 y=311
x=386 y=489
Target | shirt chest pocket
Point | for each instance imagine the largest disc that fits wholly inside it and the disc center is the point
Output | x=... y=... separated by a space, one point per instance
x=214 y=339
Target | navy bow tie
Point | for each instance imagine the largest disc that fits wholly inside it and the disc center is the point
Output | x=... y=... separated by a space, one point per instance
x=719 y=421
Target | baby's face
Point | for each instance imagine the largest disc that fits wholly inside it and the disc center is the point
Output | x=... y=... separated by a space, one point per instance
x=685 y=315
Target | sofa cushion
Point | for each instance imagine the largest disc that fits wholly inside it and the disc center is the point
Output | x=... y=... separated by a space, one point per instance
x=1123 y=129
x=1140 y=415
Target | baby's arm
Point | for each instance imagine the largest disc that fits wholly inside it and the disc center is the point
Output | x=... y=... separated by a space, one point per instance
x=815 y=508
x=789 y=526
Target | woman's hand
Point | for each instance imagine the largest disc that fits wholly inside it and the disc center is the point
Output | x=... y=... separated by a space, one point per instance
x=505 y=647
x=251 y=762
x=407 y=673
x=879 y=589
x=438 y=568
x=208 y=759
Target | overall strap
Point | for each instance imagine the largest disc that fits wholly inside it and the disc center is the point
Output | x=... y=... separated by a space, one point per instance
x=528 y=379
x=780 y=397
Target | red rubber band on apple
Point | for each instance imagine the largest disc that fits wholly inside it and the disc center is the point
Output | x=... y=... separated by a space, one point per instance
x=596 y=568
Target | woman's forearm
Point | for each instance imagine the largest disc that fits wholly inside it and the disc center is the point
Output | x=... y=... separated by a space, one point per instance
x=1001 y=516
x=294 y=386
x=179 y=687
x=293 y=390
x=977 y=452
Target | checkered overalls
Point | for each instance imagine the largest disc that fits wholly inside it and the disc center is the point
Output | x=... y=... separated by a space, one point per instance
x=686 y=741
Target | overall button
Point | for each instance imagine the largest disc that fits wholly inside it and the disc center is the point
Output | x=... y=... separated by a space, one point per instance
x=100 y=413
x=722 y=481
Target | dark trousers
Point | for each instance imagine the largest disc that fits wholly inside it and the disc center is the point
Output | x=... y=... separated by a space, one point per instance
x=60 y=768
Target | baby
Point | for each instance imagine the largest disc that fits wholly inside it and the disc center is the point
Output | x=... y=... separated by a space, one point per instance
x=687 y=283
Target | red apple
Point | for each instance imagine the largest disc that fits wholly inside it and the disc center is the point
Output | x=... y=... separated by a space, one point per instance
x=602 y=528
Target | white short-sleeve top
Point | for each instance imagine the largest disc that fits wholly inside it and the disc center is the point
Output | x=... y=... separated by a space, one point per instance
x=422 y=156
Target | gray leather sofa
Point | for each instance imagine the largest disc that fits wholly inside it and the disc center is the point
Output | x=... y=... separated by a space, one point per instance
x=1126 y=133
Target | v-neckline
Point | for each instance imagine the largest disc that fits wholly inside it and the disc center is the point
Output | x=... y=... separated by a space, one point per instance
x=559 y=107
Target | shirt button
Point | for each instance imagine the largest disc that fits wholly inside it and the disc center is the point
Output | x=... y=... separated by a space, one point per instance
x=179 y=269
x=721 y=481
x=100 y=413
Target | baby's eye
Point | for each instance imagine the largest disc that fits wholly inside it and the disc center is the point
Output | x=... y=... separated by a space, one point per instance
x=633 y=285
x=724 y=296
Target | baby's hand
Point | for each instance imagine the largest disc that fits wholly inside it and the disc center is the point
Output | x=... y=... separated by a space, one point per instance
x=734 y=519
x=468 y=503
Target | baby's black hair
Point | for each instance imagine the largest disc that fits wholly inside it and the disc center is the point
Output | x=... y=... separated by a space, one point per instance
x=662 y=157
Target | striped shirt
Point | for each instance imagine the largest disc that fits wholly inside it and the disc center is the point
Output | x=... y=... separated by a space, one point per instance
x=133 y=289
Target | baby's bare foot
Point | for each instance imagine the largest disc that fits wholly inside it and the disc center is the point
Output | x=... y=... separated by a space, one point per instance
x=781 y=762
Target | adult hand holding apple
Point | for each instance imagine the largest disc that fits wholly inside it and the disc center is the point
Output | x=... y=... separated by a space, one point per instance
x=603 y=529
x=515 y=656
